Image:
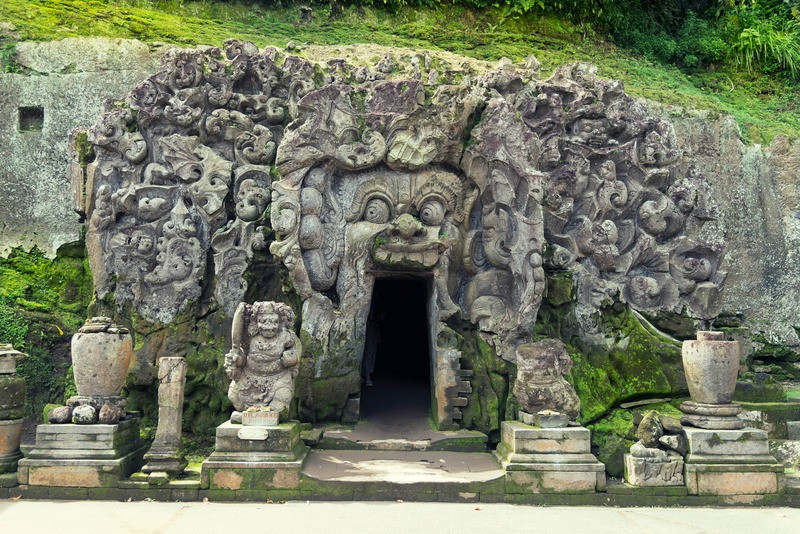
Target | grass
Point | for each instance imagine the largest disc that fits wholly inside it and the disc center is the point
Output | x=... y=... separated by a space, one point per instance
x=763 y=106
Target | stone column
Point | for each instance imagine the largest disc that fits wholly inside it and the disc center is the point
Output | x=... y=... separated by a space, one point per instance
x=166 y=455
x=12 y=406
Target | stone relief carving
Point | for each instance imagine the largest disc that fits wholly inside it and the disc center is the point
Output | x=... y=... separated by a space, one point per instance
x=477 y=186
x=263 y=361
x=541 y=384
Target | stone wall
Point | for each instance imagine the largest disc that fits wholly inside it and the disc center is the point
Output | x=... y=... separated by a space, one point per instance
x=66 y=82
x=757 y=188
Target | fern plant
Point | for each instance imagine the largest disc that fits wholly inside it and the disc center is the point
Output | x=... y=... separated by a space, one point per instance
x=768 y=44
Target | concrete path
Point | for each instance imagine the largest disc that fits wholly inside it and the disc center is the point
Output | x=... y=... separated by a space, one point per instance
x=85 y=517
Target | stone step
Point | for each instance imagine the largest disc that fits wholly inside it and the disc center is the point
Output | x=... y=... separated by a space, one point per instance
x=383 y=470
x=457 y=441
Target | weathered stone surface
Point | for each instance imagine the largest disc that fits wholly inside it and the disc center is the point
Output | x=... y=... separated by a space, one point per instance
x=60 y=415
x=101 y=354
x=77 y=76
x=677 y=443
x=263 y=361
x=711 y=365
x=540 y=384
x=84 y=415
x=793 y=430
x=110 y=415
x=648 y=472
x=744 y=442
x=650 y=430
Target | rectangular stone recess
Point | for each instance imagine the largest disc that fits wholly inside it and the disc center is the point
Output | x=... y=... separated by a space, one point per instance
x=253 y=458
x=84 y=456
x=731 y=462
x=31 y=118
x=549 y=460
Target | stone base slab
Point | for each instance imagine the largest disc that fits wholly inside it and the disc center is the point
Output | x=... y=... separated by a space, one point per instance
x=734 y=479
x=98 y=441
x=237 y=438
x=248 y=474
x=653 y=472
x=549 y=460
x=521 y=438
x=79 y=473
x=744 y=442
x=554 y=477
x=166 y=460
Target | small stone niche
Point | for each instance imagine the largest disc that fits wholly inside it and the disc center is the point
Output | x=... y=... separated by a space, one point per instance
x=31 y=118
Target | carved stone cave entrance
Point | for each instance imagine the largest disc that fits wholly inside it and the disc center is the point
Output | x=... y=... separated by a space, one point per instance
x=397 y=365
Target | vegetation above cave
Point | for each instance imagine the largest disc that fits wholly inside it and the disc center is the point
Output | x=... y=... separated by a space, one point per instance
x=723 y=56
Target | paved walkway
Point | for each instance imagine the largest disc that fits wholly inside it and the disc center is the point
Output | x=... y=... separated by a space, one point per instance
x=85 y=517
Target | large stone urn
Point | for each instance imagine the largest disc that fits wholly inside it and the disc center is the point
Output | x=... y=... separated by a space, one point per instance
x=101 y=354
x=12 y=408
x=711 y=365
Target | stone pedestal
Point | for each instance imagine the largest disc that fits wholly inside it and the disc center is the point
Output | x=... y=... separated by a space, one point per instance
x=85 y=456
x=731 y=462
x=12 y=408
x=653 y=472
x=255 y=458
x=549 y=460
x=165 y=454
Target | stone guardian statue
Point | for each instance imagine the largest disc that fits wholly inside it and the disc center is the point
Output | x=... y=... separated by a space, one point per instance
x=264 y=357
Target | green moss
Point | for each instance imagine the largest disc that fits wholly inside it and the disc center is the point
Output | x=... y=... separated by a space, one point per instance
x=42 y=302
x=613 y=435
x=763 y=106
x=489 y=400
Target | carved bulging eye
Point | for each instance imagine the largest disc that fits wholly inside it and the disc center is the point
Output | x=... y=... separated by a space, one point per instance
x=377 y=211
x=431 y=213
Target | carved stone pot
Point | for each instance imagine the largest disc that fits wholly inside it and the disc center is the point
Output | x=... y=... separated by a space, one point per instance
x=101 y=354
x=260 y=418
x=711 y=365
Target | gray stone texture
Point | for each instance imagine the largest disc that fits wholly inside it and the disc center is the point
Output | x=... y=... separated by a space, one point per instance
x=166 y=455
x=70 y=80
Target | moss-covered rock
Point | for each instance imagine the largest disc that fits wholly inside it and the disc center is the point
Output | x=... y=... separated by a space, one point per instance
x=759 y=387
x=613 y=435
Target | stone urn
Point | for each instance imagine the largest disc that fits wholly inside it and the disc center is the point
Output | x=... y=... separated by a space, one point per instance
x=101 y=354
x=711 y=365
x=12 y=408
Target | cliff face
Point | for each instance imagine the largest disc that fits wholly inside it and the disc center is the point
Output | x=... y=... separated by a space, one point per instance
x=757 y=190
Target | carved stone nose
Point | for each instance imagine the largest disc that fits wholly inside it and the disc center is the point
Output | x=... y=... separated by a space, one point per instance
x=407 y=226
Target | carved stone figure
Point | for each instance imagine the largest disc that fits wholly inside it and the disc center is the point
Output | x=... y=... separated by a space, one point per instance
x=657 y=458
x=540 y=385
x=475 y=186
x=264 y=357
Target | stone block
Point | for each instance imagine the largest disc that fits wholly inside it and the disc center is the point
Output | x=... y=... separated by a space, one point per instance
x=79 y=473
x=648 y=472
x=793 y=430
x=525 y=439
x=744 y=442
x=557 y=480
x=548 y=460
x=734 y=479
x=236 y=438
x=99 y=441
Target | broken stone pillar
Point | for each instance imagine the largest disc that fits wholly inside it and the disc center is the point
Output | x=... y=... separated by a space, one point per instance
x=12 y=410
x=166 y=455
x=723 y=458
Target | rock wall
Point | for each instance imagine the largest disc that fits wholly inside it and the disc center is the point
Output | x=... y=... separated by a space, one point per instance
x=67 y=82
x=757 y=191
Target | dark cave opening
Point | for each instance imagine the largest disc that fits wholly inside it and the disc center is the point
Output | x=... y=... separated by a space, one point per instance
x=397 y=335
